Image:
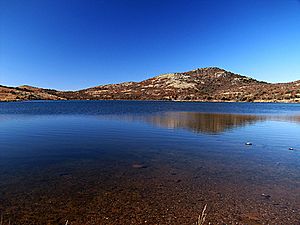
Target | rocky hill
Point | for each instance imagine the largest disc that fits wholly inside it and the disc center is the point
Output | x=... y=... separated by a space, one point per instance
x=27 y=93
x=206 y=84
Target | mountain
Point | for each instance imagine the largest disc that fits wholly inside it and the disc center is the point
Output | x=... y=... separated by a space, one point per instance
x=205 y=84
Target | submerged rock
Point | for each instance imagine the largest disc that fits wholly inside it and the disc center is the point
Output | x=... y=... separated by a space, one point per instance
x=138 y=166
x=266 y=196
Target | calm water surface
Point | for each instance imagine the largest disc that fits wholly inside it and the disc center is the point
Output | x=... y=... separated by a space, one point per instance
x=135 y=162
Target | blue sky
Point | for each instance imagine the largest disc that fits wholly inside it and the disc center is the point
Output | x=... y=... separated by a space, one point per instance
x=73 y=44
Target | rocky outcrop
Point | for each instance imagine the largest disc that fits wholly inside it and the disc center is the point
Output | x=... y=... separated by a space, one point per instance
x=205 y=84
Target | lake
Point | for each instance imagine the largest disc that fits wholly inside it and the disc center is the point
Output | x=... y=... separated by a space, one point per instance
x=149 y=162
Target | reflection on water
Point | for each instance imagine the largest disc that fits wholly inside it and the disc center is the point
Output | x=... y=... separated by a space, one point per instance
x=198 y=122
x=203 y=122
x=295 y=118
x=208 y=123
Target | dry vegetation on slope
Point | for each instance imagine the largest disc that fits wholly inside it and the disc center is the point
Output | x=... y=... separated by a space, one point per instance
x=26 y=93
x=206 y=84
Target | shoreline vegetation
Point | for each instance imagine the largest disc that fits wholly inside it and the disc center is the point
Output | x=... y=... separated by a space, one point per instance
x=209 y=84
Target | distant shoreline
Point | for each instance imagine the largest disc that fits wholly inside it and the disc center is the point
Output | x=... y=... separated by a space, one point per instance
x=148 y=100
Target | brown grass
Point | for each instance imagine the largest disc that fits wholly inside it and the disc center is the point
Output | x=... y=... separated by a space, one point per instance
x=202 y=217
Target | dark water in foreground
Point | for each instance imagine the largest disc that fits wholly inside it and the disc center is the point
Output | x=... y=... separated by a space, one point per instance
x=149 y=162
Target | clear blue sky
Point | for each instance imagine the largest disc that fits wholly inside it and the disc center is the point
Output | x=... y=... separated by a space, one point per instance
x=73 y=44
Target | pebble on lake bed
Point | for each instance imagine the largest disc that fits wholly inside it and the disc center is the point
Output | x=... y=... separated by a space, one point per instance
x=139 y=166
x=266 y=196
x=248 y=143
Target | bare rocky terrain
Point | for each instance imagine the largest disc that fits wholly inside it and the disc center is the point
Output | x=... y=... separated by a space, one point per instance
x=205 y=84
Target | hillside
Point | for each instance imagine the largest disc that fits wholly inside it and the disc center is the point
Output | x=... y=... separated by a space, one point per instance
x=27 y=93
x=206 y=84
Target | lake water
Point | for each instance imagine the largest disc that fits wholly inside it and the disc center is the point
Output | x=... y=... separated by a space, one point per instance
x=145 y=162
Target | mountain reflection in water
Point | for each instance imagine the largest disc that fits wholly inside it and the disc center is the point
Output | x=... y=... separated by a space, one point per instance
x=207 y=123
x=203 y=122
